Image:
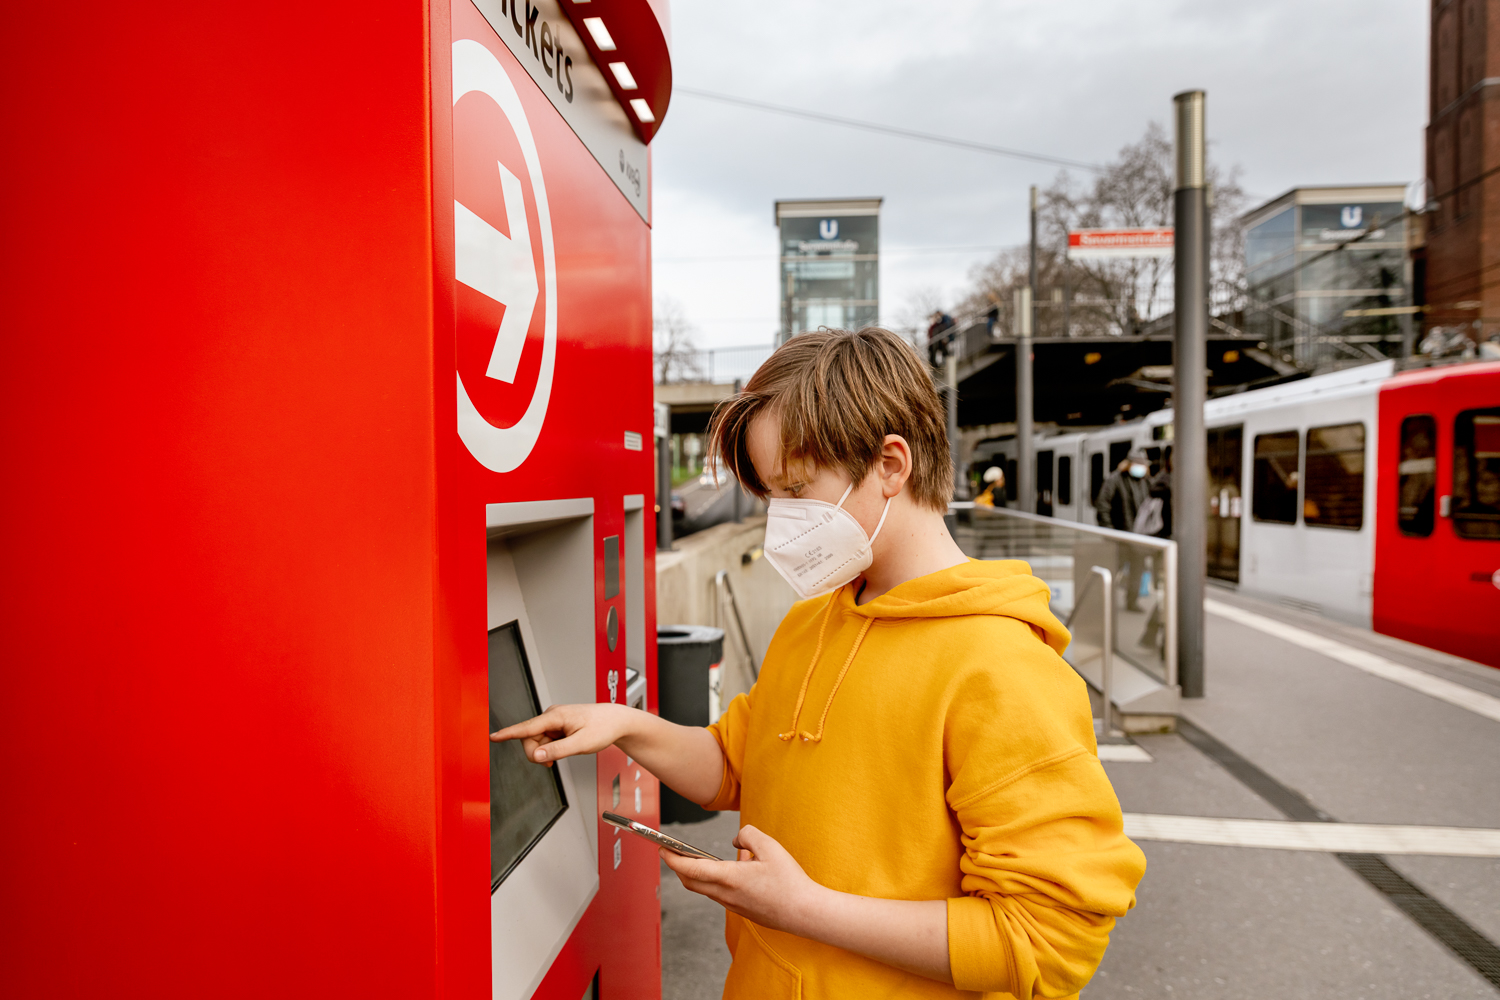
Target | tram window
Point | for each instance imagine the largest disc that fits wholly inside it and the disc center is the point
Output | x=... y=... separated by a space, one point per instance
x=1476 y=474
x=1275 y=477
x=1065 y=480
x=1333 y=487
x=525 y=798
x=1416 y=476
x=1096 y=475
x=1010 y=479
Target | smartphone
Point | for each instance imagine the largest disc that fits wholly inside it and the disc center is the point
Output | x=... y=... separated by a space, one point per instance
x=657 y=837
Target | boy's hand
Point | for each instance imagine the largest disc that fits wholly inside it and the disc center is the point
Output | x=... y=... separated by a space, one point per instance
x=765 y=885
x=566 y=730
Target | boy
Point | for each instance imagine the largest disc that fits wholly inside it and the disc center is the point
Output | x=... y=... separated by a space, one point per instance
x=923 y=809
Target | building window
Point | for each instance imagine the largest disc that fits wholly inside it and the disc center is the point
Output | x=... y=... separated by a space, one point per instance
x=1065 y=480
x=1476 y=474
x=1275 y=477
x=1333 y=490
x=1416 y=476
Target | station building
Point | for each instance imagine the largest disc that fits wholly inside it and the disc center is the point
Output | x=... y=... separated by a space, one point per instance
x=1324 y=267
x=830 y=264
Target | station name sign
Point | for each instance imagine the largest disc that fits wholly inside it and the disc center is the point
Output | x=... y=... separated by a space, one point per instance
x=1087 y=244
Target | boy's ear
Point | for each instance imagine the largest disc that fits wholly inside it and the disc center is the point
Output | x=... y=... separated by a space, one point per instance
x=895 y=464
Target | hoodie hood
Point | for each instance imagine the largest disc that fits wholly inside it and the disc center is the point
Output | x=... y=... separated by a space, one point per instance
x=977 y=587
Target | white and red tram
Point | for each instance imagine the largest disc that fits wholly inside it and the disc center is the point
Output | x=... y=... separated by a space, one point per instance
x=1367 y=495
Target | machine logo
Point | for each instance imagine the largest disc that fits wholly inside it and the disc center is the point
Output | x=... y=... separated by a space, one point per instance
x=828 y=229
x=502 y=269
x=1350 y=216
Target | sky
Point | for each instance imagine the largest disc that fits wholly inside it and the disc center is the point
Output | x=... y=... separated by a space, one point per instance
x=1323 y=92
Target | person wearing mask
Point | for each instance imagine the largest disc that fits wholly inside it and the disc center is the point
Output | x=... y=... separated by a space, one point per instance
x=1119 y=501
x=958 y=838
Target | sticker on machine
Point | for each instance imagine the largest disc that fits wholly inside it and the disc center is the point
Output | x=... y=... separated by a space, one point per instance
x=504 y=263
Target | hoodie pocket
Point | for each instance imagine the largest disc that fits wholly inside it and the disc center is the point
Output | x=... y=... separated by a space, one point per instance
x=758 y=972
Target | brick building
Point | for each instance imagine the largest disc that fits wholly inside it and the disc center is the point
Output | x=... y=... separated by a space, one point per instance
x=1463 y=166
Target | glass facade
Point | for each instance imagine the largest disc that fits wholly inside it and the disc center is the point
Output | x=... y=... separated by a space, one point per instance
x=1323 y=267
x=830 y=264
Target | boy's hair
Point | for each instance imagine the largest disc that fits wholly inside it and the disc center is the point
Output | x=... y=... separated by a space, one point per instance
x=838 y=394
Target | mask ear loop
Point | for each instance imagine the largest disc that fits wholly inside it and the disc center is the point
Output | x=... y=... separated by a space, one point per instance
x=883 y=512
x=881 y=523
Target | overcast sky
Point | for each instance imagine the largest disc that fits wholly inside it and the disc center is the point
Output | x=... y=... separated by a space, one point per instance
x=1322 y=92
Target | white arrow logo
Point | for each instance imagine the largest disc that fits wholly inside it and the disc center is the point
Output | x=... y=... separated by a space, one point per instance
x=504 y=269
x=501 y=267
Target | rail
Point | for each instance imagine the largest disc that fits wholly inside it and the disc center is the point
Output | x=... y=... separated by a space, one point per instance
x=1127 y=639
x=722 y=586
x=1107 y=658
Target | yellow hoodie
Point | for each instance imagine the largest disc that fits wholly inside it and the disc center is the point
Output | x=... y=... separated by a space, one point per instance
x=931 y=744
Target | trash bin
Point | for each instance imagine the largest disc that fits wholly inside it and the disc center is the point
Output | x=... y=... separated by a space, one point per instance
x=687 y=657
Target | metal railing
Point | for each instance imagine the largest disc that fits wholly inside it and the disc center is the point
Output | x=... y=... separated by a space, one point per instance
x=1137 y=625
x=722 y=588
x=714 y=364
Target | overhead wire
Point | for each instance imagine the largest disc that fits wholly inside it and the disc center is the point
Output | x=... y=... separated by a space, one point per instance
x=888 y=252
x=879 y=127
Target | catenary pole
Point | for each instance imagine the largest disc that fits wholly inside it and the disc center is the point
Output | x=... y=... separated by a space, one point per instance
x=1190 y=388
x=950 y=375
x=1025 y=399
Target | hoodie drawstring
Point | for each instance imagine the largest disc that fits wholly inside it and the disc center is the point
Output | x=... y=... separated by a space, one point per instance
x=818 y=736
x=812 y=666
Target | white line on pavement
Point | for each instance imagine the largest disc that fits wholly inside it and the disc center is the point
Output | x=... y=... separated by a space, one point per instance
x=1477 y=702
x=1123 y=753
x=1288 y=836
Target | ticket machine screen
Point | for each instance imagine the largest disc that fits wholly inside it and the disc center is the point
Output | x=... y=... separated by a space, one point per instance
x=525 y=798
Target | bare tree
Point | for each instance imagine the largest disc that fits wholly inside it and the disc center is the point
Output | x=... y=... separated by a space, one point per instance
x=1119 y=295
x=673 y=341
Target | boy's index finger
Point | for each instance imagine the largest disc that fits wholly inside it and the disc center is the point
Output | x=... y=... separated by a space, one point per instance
x=535 y=726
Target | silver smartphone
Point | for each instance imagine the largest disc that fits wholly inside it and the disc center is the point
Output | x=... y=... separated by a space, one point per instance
x=657 y=837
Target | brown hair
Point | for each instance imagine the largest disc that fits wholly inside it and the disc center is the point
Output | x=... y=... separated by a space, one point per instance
x=838 y=394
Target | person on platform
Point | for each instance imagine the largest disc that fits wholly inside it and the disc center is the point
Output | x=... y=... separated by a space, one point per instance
x=1117 y=505
x=994 y=488
x=1161 y=489
x=924 y=810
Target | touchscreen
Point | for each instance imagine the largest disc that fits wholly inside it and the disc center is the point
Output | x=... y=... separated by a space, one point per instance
x=525 y=798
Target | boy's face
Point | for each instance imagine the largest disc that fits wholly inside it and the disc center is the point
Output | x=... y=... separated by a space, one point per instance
x=796 y=480
x=802 y=480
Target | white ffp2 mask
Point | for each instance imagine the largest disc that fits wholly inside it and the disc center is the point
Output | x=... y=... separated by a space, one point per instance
x=817 y=546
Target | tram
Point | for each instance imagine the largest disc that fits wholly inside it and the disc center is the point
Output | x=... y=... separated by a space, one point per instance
x=1366 y=495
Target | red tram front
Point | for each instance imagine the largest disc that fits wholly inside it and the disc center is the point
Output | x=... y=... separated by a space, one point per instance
x=1437 y=538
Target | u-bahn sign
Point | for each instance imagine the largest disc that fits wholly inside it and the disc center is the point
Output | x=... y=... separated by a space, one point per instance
x=1089 y=244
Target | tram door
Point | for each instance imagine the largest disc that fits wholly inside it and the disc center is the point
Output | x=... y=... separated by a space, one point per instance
x=1225 y=506
x=1044 y=483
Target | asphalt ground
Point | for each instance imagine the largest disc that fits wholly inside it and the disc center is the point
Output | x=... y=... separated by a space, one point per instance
x=1242 y=922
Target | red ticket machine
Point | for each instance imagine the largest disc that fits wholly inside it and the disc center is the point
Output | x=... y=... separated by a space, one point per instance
x=326 y=415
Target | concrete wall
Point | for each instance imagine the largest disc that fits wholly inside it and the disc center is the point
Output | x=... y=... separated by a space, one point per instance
x=685 y=593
